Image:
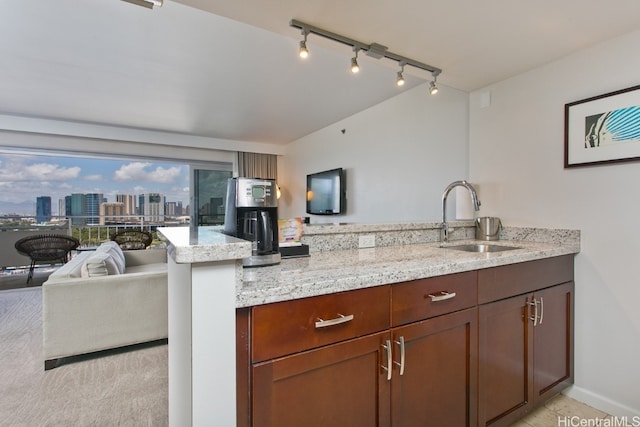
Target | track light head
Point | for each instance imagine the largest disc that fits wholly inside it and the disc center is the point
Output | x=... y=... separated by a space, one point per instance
x=400 y=80
x=355 y=68
x=303 y=52
x=433 y=89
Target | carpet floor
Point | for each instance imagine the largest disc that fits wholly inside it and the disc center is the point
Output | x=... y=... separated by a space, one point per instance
x=125 y=387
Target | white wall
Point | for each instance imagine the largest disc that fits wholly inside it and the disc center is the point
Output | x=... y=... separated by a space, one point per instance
x=516 y=155
x=399 y=156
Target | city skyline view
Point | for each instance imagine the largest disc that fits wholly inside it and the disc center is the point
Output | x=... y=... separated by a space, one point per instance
x=24 y=177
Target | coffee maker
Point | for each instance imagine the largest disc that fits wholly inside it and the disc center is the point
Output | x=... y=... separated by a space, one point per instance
x=251 y=213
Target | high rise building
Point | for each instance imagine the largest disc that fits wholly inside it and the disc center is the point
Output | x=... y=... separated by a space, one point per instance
x=151 y=206
x=129 y=202
x=78 y=209
x=62 y=207
x=171 y=209
x=67 y=207
x=93 y=201
x=111 y=213
x=43 y=209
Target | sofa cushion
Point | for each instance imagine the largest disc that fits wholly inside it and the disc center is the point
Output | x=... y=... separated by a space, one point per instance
x=100 y=264
x=115 y=251
x=72 y=269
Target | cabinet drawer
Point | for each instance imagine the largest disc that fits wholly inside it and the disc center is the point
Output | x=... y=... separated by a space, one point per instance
x=425 y=298
x=291 y=326
x=515 y=279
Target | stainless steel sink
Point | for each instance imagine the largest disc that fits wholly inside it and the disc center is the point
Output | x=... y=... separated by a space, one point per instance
x=480 y=247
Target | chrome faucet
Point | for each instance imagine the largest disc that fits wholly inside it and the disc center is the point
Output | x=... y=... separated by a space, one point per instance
x=474 y=199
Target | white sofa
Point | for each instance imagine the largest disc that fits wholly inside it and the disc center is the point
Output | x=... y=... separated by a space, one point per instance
x=97 y=302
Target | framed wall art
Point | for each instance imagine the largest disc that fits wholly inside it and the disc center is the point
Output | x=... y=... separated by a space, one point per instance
x=603 y=129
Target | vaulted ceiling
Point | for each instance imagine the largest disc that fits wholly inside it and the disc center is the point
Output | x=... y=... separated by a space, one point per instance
x=229 y=69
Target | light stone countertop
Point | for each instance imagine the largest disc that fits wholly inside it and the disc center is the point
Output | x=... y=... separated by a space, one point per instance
x=208 y=245
x=342 y=270
x=337 y=271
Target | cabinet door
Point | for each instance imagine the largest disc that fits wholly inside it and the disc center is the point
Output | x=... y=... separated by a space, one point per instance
x=553 y=341
x=342 y=384
x=506 y=349
x=439 y=382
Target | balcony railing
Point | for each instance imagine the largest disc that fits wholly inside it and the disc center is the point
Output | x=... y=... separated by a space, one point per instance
x=90 y=231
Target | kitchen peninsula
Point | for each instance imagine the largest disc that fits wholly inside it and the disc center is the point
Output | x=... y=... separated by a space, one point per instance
x=345 y=311
x=204 y=269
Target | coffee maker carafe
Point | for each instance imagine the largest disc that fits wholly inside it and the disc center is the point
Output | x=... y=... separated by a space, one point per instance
x=251 y=213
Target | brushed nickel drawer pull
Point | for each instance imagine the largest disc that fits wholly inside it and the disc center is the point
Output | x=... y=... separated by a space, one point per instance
x=331 y=322
x=442 y=296
x=387 y=368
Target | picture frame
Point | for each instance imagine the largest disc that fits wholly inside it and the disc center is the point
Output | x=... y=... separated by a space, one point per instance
x=603 y=129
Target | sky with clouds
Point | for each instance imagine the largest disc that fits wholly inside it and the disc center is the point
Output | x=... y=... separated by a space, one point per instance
x=24 y=177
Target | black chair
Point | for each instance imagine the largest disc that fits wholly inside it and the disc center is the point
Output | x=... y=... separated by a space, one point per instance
x=46 y=248
x=132 y=239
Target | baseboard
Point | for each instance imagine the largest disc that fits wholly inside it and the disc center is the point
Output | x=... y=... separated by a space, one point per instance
x=602 y=403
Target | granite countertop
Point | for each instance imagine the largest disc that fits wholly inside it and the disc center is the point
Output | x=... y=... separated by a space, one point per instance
x=205 y=245
x=348 y=269
x=336 y=271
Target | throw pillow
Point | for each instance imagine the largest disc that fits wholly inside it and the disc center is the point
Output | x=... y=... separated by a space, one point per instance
x=115 y=251
x=99 y=264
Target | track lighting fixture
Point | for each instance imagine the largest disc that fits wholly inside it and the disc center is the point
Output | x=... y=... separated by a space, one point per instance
x=400 y=79
x=149 y=4
x=304 y=52
x=433 y=89
x=373 y=50
x=355 y=68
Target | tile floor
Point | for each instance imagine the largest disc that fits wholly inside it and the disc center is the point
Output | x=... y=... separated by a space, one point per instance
x=563 y=411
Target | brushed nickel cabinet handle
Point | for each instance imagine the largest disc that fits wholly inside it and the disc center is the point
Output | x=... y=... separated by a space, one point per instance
x=534 y=303
x=400 y=342
x=387 y=368
x=441 y=296
x=331 y=322
x=541 y=310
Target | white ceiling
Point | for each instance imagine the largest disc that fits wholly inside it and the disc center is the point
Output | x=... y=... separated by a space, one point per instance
x=232 y=72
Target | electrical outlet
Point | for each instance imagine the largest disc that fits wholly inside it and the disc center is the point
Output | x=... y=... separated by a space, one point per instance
x=367 y=241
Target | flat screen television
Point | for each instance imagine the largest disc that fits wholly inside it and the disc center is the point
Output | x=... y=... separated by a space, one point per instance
x=326 y=192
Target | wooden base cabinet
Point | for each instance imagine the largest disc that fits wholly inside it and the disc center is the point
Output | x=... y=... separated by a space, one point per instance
x=525 y=346
x=553 y=341
x=319 y=361
x=369 y=358
x=477 y=348
x=349 y=384
x=437 y=386
x=431 y=382
x=336 y=385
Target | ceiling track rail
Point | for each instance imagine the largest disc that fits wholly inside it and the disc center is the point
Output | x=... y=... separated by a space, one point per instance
x=373 y=50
